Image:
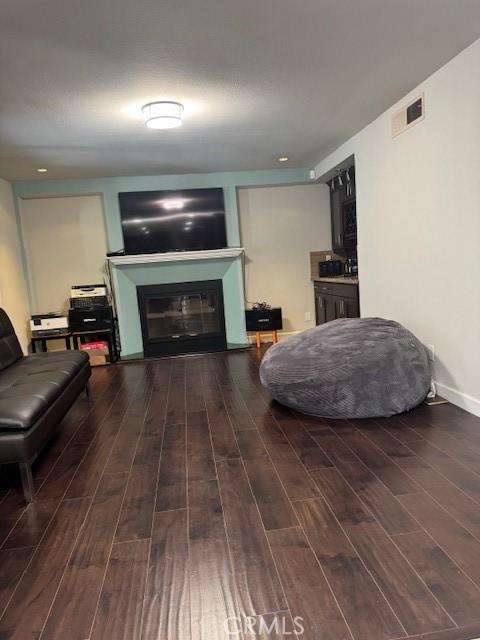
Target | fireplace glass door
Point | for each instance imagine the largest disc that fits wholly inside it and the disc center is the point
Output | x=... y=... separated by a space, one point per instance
x=182 y=318
x=182 y=315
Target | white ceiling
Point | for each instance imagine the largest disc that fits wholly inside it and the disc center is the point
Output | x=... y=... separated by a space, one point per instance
x=259 y=78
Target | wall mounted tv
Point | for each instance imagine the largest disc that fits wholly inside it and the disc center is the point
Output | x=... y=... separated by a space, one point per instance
x=161 y=221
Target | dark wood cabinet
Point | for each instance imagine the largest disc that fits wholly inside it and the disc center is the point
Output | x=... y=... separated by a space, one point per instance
x=320 y=309
x=325 y=308
x=344 y=213
x=347 y=308
x=335 y=300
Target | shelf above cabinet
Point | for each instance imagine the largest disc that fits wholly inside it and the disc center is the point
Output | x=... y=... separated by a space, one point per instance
x=336 y=279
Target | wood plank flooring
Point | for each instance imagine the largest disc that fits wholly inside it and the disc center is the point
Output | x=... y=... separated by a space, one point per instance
x=181 y=503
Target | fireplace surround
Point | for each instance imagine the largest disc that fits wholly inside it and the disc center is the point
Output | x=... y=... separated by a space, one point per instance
x=130 y=272
x=182 y=318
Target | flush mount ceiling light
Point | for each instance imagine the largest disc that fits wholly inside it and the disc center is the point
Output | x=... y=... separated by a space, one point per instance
x=283 y=159
x=162 y=115
x=42 y=170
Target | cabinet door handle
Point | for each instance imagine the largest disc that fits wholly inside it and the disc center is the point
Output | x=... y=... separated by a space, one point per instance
x=339 y=239
x=320 y=300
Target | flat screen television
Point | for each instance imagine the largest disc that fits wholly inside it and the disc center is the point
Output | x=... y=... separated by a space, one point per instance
x=162 y=221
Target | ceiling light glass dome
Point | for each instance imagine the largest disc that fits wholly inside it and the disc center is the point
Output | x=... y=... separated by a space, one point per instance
x=163 y=115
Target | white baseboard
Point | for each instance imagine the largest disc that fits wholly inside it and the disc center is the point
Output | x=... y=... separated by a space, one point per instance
x=462 y=400
x=267 y=336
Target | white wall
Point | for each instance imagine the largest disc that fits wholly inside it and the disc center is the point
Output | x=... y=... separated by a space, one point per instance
x=279 y=226
x=65 y=244
x=418 y=206
x=13 y=289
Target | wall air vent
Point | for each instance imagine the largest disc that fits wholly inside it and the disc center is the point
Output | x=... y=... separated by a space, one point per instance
x=409 y=115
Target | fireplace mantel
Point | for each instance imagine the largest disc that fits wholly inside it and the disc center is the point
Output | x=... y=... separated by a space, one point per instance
x=176 y=256
x=127 y=273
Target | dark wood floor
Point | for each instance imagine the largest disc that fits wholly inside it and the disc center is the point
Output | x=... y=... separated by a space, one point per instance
x=180 y=496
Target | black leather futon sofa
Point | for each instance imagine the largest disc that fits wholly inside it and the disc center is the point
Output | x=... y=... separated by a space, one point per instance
x=35 y=393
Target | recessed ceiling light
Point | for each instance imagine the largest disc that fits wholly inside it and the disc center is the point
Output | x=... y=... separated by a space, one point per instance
x=42 y=170
x=283 y=159
x=163 y=115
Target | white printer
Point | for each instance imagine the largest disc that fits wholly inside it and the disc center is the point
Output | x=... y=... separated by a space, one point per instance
x=48 y=324
x=88 y=291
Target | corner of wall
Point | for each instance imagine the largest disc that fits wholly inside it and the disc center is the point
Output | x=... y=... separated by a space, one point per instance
x=13 y=285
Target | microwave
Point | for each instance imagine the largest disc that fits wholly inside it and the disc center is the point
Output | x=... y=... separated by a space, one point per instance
x=330 y=268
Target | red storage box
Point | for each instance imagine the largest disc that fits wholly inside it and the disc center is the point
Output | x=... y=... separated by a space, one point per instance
x=97 y=352
x=100 y=344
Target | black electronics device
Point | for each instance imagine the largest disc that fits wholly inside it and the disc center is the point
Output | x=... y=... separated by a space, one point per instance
x=330 y=268
x=88 y=296
x=94 y=302
x=264 y=319
x=164 y=221
x=90 y=319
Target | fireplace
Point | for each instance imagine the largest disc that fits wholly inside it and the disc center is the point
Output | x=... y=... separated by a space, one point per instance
x=182 y=318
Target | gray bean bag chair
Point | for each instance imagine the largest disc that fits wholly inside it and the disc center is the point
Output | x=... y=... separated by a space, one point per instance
x=349 y=368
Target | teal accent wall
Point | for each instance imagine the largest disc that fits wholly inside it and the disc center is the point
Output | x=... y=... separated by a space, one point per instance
x=127 y=278
x=109 y=188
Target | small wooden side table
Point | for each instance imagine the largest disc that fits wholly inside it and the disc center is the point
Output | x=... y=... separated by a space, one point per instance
x=264 y=320
x=258 y=333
